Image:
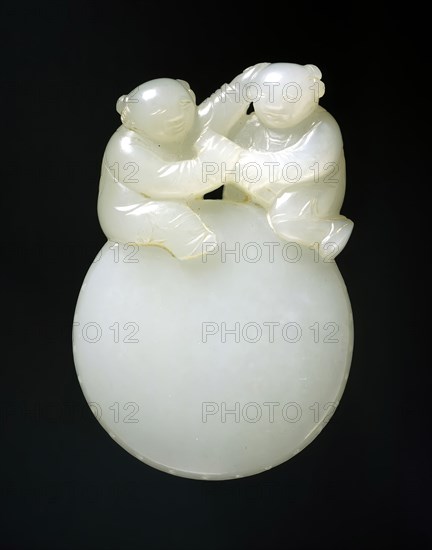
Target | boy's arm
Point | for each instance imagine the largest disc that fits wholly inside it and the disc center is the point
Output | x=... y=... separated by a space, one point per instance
x=143 y=171
x=227 y=105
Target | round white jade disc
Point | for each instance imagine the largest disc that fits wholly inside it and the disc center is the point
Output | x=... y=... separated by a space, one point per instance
x=217 y=367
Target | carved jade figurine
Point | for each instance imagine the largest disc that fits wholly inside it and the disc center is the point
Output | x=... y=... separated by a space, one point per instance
x=213 y=338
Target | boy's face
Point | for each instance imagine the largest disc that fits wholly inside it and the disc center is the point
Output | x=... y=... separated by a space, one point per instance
x=287 y=96
x=162 y=109
x=170 y=116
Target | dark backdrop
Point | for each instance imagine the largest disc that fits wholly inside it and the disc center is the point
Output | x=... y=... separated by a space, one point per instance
x=64 y=483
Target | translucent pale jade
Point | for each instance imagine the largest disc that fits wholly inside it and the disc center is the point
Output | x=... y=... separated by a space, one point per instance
x=213 y=339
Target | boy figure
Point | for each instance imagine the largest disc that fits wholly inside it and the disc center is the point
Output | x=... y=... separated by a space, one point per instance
x=293 y=163
x=154 y=163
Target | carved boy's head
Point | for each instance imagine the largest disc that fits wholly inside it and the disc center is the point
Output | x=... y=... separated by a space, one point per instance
x=286 y=94
x=163 y=109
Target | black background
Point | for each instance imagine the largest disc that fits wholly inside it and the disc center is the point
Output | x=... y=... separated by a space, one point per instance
x=64 y=483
